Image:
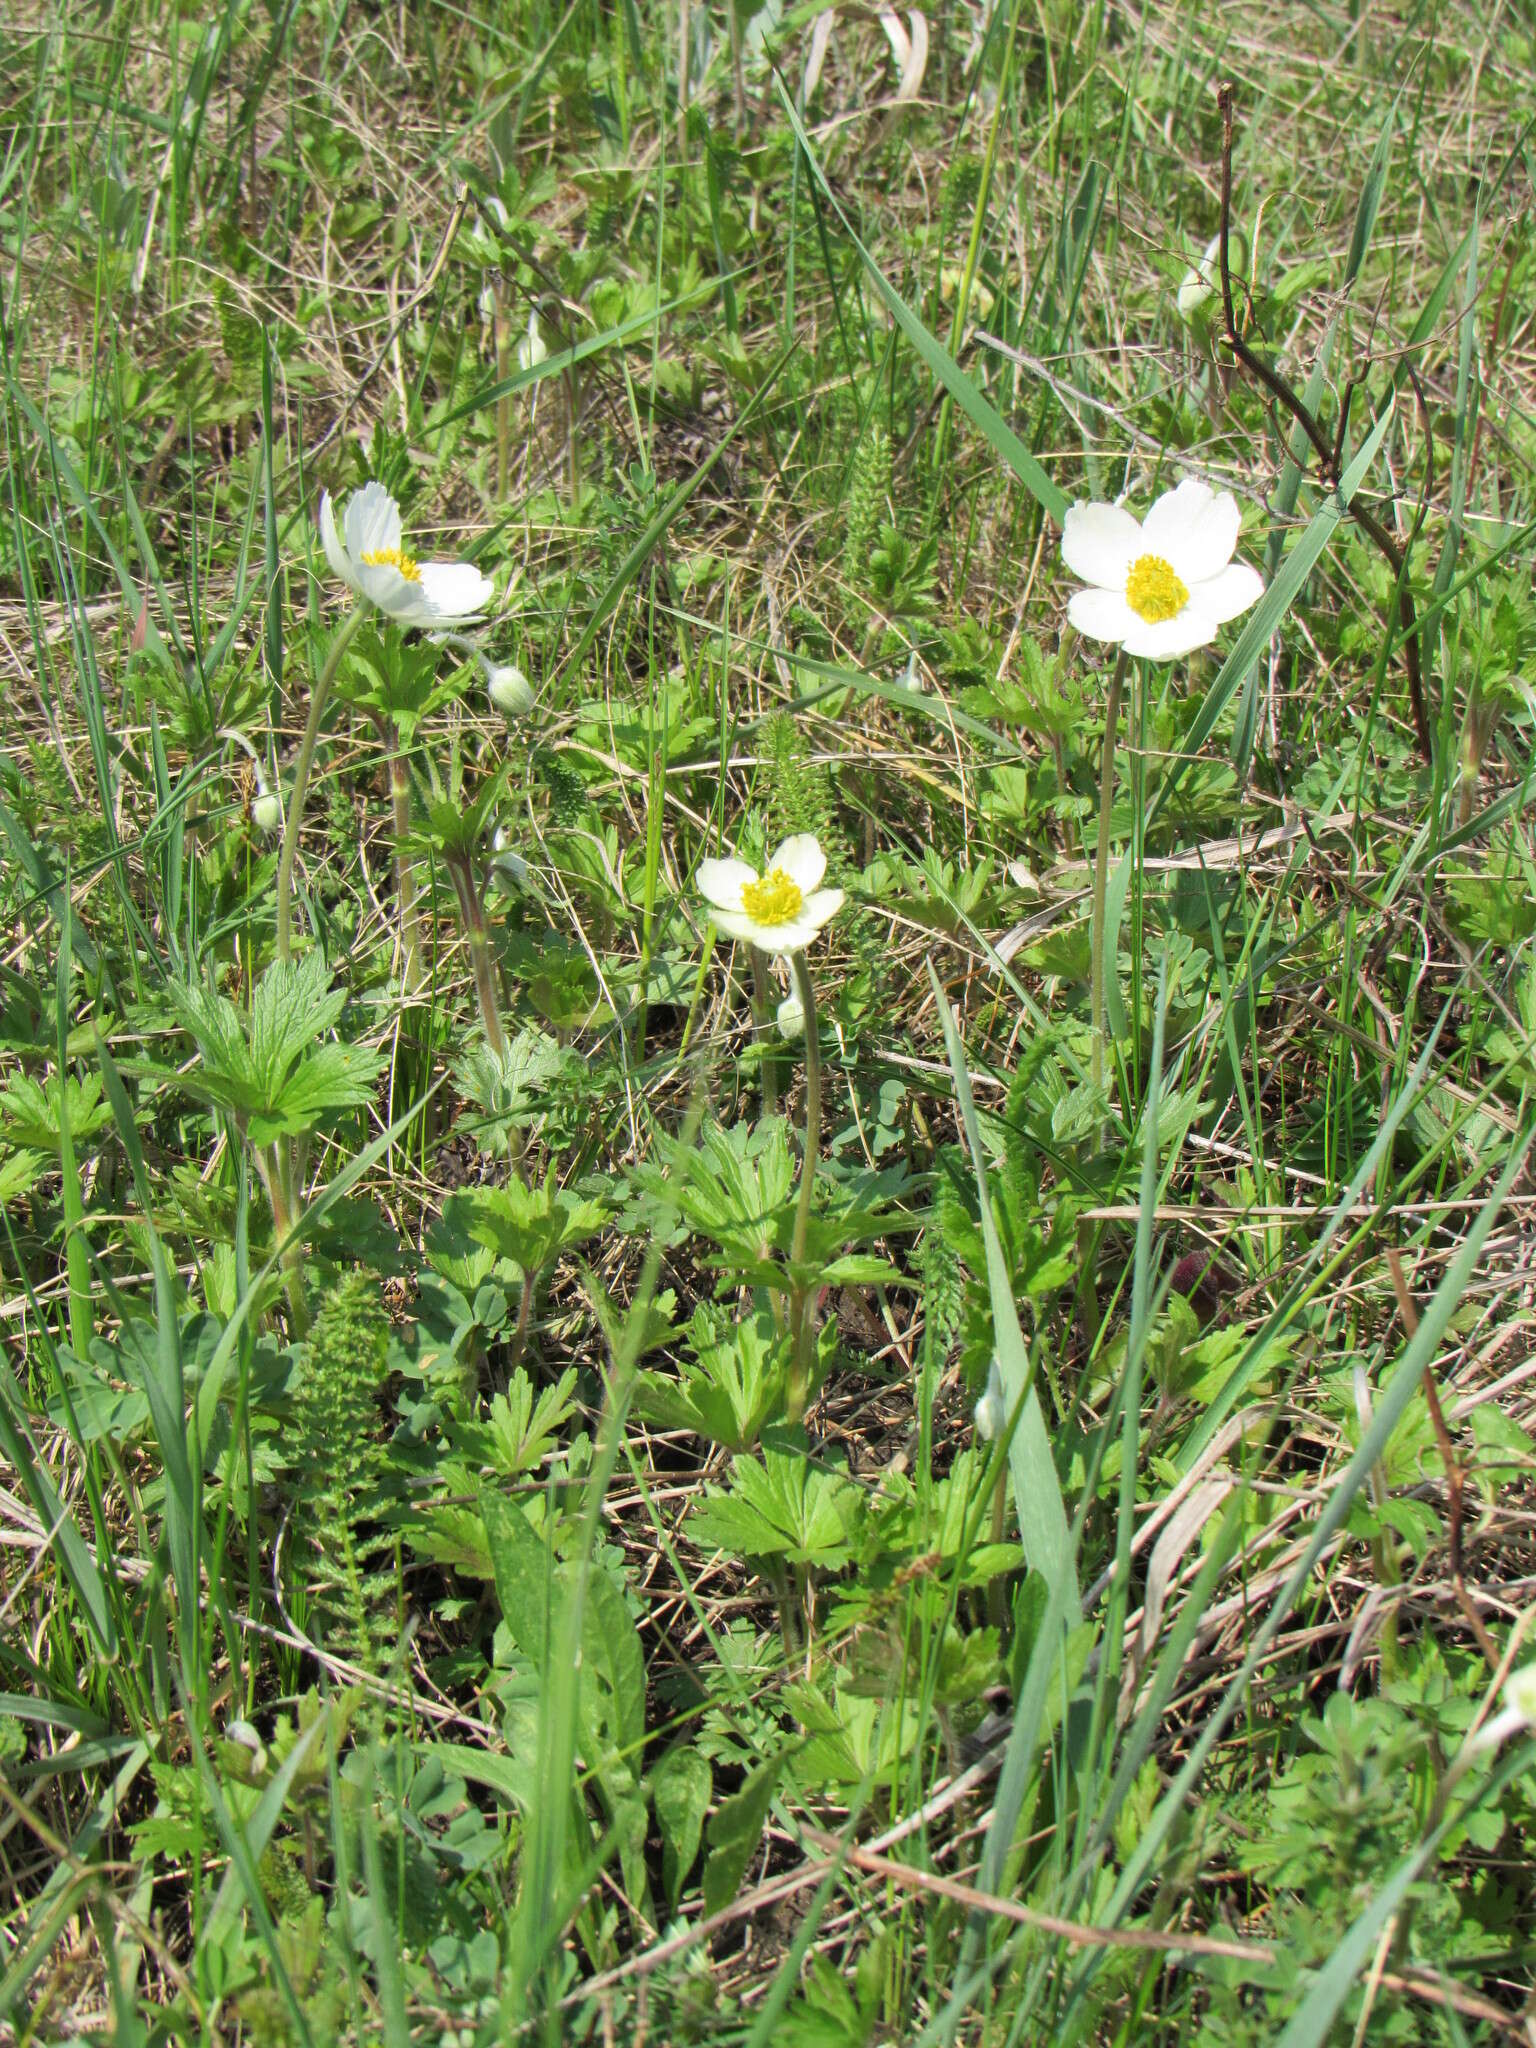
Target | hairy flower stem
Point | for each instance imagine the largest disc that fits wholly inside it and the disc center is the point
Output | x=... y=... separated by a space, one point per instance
x=405 y=872
x=273 y=1165
x=481 y=963
x=1101 y=873
x=341 y=641
x=802 y=1320
x=763 y=1009
x=503 y=333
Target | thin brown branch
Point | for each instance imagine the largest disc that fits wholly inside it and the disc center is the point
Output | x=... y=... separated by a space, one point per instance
x=1329 y=454
x=1455 y=1476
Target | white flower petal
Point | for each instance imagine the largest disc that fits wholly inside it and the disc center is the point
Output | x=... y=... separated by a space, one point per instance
x=1170 y=638
x=1224 y=596
x=1099 y=543
x=330 y=540
x=1102 y=614
x=720 y=882
x=802 y=859
x=456 y=591
x=372 y=521
x=1194 y=530
x=821 y=905
x=382 y=584
x=736 y=924
x=768 y=938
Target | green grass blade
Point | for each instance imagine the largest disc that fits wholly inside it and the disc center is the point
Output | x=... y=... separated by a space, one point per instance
x=999 y=436
x=1036 y=1490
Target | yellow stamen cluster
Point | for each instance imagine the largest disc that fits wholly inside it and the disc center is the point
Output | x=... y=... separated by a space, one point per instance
x=392 y=558
x=1154 y=590
x=776 y=899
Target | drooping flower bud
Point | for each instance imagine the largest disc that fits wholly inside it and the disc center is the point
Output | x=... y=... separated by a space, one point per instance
x=991 y=1412
x=533 y=348
x=1201 y=282
x=509 y=690
x=266 y=805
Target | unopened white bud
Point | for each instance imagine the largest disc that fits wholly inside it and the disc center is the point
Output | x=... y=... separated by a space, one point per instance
x=509 y=868
x=790 y=1017
x=991 y=1413
x=532 y=349
x=509 y=689
x=266 y=810
x=1520 y=1693
x=1200 y=282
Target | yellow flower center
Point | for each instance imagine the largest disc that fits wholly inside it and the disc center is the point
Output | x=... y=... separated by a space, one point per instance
x=393 y=558
x=776 y=899
x=1154 y=589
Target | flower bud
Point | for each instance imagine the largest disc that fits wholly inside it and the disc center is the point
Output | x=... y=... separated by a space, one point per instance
x=532 y=349
x=991 y=1412
x=1520 y=1694
x=1201 y=282
x=510 y=690
x=791 y=1016
x=266 y=809
x=507 y=867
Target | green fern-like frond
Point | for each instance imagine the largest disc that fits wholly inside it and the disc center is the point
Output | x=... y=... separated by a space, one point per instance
x=340 y=1372
x=797 y=790
x=869 y=493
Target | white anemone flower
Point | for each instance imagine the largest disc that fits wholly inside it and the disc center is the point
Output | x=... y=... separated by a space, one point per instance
x=780 y=911
x=368 y=557
x=1163 y=585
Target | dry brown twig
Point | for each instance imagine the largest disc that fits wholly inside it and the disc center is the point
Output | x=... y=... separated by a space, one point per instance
x=1330 y=454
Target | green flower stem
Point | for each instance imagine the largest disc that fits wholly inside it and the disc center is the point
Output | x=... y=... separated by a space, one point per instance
x=1101 y=872
x=802 y=1321
x=503 y=334
x=768 y=1067
x=480 y=960
x=301 y=767
x=405 y=871
x=272 y=1163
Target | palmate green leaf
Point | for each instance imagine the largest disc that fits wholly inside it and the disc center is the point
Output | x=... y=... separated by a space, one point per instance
x=396 y=682
x=332 y=1076
x=272 y=1066
x=225 y=1073
x=783 y=1505
x=29 y=1110
x=293 y=1006
x=530 y=1226
x=733 y=1184
x=455 y=825
x=729 y=1389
